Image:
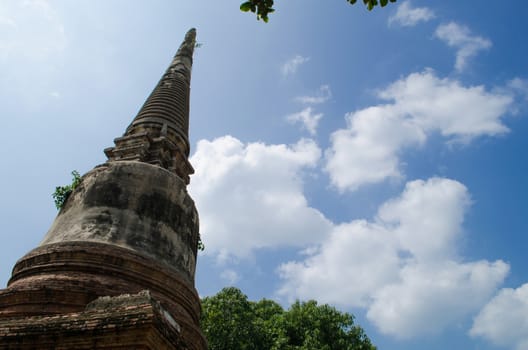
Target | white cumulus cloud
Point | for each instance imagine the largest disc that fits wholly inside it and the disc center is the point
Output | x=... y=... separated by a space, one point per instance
x=403 y=267
x=504 y=319
x=323 y=95
x=250 y=196
x=290 y=67
x=429 y=298
x=407 y=16
x=368 y=150
x=307 y=118
x=460 y=38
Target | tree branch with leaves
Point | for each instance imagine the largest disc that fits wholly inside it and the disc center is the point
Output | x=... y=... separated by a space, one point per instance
x=262 y=8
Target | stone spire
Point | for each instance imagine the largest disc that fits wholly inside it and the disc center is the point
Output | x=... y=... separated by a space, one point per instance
x=159 y=133
x=116 y=268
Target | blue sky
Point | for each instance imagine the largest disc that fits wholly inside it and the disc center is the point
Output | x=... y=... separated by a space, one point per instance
x=370 y=160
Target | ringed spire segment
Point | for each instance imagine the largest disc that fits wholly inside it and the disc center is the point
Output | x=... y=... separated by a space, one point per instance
x=159 y=134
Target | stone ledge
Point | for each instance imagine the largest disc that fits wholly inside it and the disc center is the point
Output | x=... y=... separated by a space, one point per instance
x=136 y=321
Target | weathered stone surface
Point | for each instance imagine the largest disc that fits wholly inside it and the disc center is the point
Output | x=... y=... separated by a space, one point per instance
x=136 y=206
x=124 y=322
x=64 y=277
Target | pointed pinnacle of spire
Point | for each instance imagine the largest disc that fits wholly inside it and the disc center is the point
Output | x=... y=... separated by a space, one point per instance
x=185 y=52
x=188 y=44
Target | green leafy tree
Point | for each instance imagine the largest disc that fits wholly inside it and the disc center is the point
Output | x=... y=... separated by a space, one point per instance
x=231 y=322
x=268 y=322
x=228 y=321
x=262 y=8
x=310 y=326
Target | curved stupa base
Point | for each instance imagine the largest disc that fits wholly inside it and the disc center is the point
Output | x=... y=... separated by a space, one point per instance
x=63 y=278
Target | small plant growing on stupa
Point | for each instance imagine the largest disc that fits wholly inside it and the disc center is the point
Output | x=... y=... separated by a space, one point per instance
x=62 y=193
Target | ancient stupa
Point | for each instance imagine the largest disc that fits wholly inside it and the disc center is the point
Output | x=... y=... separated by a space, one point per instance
x=116 y=268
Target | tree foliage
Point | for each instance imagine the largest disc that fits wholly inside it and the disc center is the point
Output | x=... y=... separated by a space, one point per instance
x=231 y=322
x=262 y=8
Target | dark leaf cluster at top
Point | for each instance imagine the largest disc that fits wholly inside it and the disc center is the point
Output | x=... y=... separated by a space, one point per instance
x=262 y=8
